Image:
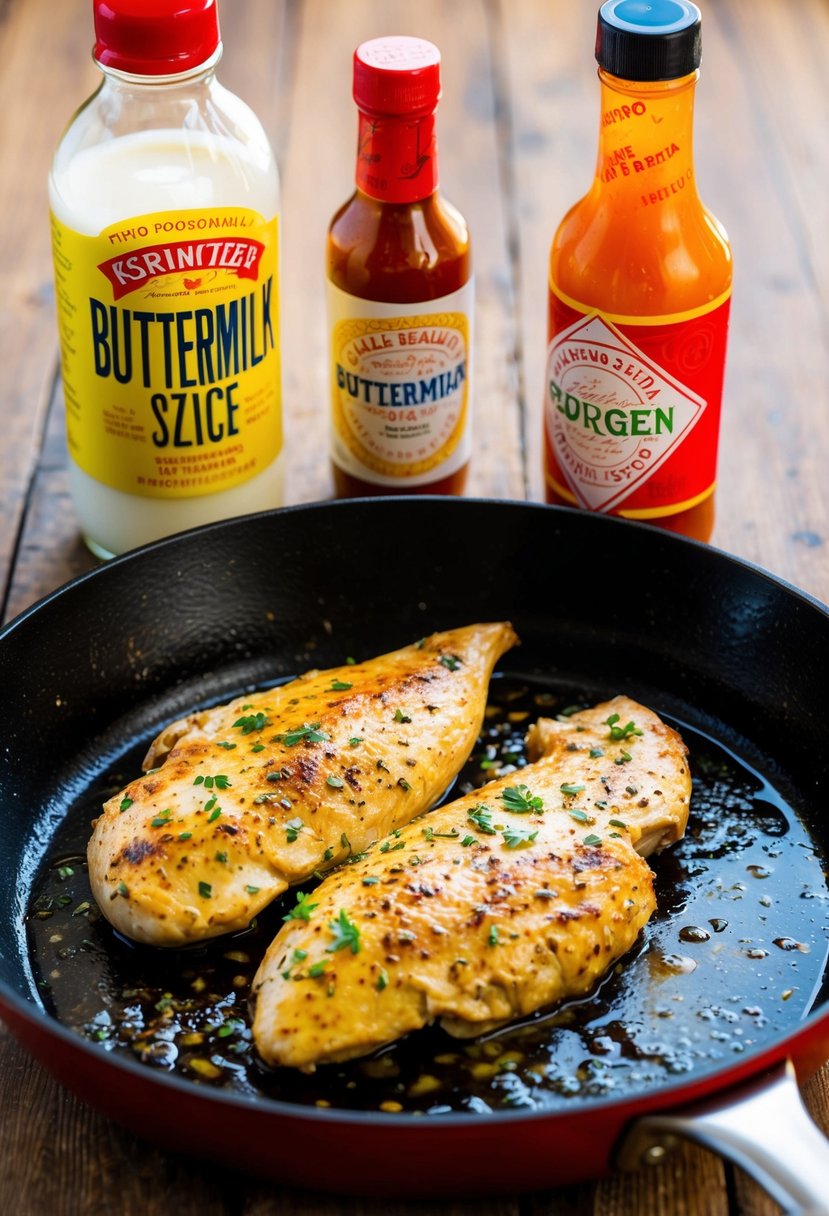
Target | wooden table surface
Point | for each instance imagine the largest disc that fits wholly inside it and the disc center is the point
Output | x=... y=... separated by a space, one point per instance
x=517 y=130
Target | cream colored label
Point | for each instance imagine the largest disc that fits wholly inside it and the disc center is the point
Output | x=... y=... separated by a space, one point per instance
x=400 y=380
x=169 y=329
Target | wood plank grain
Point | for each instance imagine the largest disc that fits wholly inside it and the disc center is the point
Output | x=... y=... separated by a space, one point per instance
x=31 y=119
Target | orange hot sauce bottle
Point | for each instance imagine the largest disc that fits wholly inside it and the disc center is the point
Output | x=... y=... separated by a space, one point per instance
x=400 y=291
x=639 y=292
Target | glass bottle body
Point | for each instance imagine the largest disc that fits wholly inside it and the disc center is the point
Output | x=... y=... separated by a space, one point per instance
x=178 y=150
x=641 y=250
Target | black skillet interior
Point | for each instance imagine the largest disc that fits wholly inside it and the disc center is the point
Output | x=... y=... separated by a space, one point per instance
x=601 y=606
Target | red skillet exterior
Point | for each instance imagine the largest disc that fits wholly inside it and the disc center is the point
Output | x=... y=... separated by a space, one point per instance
x=375 y=1154
x=718 y=632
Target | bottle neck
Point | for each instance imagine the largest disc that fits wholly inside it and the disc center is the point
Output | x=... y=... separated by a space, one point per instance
x=397 y=157
x=203 y=73
x=646 y=137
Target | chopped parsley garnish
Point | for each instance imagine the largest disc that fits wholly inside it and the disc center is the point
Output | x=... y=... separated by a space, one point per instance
x=514 y=838
x=339 y=686
x=580 y=816
x=205 y=890
x=399 y=716
x=450 y=661
x=382 y=980
x=519 y=800
x=370 y=880
x=595 y=752
x=355 y=741
x=336 y=783
x=220 y=781
x=252 y=890
x=125 y=804
x=592 y=839
x=65 y=872
x=621 y=732
x=346 y=934
x=123 y=889
x=161 y=819
x=211 y=802
x=214 y=814
x=292 y=829
x=481 y=816
x=302 y=909
x=468 y=840
x=431 y=834
x=623 y=758
x=569 y=788
x=493 y=938
x=617 y=823
x=403 y=783
x=310 y=732
x=316 y=970
x=248 y=723
x=227 y=746
x=222 y=857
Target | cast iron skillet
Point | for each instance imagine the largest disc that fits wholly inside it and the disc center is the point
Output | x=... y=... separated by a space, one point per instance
x=703 y=638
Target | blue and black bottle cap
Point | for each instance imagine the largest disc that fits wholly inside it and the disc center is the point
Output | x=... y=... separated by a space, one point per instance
x=649 y=39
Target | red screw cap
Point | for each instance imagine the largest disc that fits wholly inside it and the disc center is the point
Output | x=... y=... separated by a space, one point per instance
x=396 y=75
x=155 y=37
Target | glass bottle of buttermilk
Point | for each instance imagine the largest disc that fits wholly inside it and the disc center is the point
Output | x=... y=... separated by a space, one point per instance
x=400 y=291
x=164 y=196
x=639 y=292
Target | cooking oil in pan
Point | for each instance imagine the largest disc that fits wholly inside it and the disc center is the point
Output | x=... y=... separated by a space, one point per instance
x=732 y=959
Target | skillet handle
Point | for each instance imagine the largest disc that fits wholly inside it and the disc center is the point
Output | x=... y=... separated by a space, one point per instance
x=762 y=1126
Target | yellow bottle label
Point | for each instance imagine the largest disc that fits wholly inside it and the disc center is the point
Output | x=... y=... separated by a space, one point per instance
x=400 y=379
x=169 y=330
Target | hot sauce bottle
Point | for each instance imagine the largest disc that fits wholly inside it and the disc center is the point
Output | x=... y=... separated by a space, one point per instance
x=400 y=292
x=639 y=292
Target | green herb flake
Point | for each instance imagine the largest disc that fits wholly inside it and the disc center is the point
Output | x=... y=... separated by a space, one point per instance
x=252 y=890
x=623 y=758
x=493 y=939
x=302 y=909
x=222 y=857
x=592 y=839
x=125 y=804
x=123 y=889
x=569 y=788
x=310 y=732
x=328 y=854
x=519 y=800
x=249 y=723
x=336 y=783
x=355 y=741
x=404 y=785
x=339 y=686
x=579 y=815
x=205 y=890
x=371 y=880
x=65 y=872
x=399 y=716
x=431 y=834
x=292 y=829
x=161 y=819
x=617 y=823
x=450 y=661
x=468 y=840
x=621 y=732
x=346 y=934
x=214 y=815
x=382 y=980
x=595 y=752
x=316 y=970
x=481 y=816
x=228 y=747
x=514 y=838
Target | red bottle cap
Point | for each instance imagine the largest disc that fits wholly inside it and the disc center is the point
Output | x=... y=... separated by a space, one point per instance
x=155 y=37
x=397 y=75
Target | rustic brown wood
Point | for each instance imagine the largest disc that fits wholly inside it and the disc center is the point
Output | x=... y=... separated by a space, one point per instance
x=517 y=129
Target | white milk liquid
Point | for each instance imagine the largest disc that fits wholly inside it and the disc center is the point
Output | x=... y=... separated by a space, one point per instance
x=137 y=174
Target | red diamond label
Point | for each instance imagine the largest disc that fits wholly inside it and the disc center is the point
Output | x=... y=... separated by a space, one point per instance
x=613 y=415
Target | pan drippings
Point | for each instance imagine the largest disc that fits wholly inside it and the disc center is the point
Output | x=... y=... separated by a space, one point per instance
x=732 y=958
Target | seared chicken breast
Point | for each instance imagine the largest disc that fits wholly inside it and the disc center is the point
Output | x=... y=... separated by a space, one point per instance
x=242 y=800
x=512 y=898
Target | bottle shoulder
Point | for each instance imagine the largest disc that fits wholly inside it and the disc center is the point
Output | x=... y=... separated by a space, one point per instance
x=130 y=151
x=635 y=255
x=398 y=251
